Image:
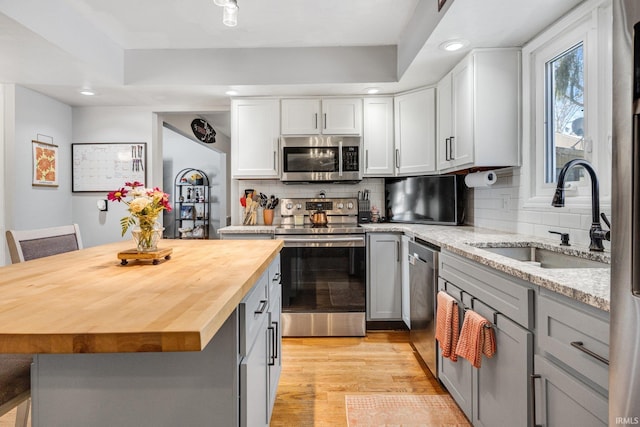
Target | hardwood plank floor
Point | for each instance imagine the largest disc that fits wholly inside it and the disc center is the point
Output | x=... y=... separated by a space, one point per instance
x=317 y=373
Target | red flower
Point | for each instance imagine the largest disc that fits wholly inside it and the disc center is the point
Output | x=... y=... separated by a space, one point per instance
x=133 y=184
x=117 y=195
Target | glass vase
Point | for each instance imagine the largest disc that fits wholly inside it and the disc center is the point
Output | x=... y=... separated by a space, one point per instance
x=147 y=235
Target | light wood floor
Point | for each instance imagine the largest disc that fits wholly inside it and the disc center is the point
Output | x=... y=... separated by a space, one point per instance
x=317 y=373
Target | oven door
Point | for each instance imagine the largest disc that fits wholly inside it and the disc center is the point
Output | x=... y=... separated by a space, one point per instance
x=323 y=285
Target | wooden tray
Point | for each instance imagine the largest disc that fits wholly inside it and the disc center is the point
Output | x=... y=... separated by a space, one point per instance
x=154 y=256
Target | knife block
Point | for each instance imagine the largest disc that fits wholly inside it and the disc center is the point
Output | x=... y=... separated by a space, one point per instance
x=364 y=215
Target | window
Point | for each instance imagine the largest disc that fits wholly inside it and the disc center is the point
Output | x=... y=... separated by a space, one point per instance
x=564 y=105
x=567 y=104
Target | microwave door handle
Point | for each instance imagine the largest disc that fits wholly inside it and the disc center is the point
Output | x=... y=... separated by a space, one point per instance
x=340 y=159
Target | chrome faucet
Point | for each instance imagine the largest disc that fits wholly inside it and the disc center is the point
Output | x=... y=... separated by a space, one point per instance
x=596 y=233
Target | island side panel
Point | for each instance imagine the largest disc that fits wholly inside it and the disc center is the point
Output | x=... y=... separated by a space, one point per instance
x=140 y=389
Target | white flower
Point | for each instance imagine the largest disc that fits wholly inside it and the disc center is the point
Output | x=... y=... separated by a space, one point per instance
x=138 y=192
x=138 y=204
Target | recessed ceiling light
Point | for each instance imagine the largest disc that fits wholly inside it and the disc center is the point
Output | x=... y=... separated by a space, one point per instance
x=373 y=90
x=87 y=92
x=231 y=92
x=453 y=45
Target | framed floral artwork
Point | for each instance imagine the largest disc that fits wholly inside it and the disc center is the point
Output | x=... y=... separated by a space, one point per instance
x=45 y=167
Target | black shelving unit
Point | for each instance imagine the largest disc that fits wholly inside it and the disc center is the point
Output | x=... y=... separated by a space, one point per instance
x=191 y=204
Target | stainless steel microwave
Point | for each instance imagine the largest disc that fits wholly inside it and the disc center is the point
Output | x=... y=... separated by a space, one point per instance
x=320 y=158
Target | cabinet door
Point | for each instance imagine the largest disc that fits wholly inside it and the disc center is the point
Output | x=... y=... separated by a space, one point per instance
x=415 y=132
x=255 y=132
x=463 y=112
x=254 y=398
x=562 y=400
x=342 y=116
x=445 y=123
x=383 y=279
x=301 y=116
x=502 y=383
x=378 y=137
x=275 y=345
x=406 y=291
x=457 y=377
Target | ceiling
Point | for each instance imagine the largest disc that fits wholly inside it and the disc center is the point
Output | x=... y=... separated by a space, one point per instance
x=178 y=56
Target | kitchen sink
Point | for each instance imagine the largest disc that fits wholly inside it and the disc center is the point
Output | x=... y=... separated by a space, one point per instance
x=545 y=258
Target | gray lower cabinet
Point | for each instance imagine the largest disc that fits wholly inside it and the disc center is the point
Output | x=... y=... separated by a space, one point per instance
x=497 y=393
x=571 y=372
x=384 y=286
x=260 y=348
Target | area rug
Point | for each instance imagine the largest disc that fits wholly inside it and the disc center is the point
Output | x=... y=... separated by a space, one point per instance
x=404 y=410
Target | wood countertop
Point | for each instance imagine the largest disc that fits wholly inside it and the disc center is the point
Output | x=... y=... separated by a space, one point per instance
x=87 y=302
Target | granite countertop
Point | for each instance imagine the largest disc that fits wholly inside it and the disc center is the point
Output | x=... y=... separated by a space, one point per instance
x=587 y=285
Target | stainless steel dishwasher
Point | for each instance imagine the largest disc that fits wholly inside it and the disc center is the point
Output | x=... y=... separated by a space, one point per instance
x=423 y=285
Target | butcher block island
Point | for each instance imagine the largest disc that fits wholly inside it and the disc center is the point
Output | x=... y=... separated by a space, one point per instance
x=193 y=340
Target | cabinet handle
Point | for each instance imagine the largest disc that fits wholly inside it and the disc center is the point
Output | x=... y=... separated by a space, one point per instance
x=366 y=159
x=452 y=141
x=397 y=158
x=446 y=148
x=580 y=346
x=275 y=340
x=532 y=384
x=276 y=277
x=262 y=307
x=272 y=359
x=397 y=251
x=316 y=119
x=275 y=155
x=325 y=120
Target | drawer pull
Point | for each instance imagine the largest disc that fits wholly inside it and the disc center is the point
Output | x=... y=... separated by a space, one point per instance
x=276 y=278
x=532 y=384
x=580 y=346
x=262 y=308
x=272 y=357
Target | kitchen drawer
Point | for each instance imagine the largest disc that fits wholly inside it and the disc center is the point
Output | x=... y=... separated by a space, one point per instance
x=274 y=278
x=507 y=295
x=562 y=321
x=253 y=309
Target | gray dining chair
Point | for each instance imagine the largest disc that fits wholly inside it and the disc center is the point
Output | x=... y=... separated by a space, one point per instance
x=25 y=245
x=15 y=369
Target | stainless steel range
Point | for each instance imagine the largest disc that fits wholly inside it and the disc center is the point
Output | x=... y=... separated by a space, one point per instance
x=323 y=268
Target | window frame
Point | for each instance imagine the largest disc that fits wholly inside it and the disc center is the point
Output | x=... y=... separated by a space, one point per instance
x=591 y=25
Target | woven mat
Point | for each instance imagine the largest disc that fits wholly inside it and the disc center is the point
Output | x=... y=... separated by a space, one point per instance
x=404 y=410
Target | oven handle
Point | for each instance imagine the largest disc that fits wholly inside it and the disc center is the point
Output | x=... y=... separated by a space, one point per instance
x=340 y=158
x=338 y=240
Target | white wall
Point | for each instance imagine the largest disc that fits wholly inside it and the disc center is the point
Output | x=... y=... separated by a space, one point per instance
x=27 y=114
x=110 y=124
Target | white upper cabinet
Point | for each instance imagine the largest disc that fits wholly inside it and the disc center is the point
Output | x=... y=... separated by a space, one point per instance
x=329 y=116
x=479 y=111
x=255 y=133
x=301 y=117
x=415 y=132
x=377 y=137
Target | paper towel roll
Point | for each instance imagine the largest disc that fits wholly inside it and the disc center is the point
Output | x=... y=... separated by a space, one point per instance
x=480 y=179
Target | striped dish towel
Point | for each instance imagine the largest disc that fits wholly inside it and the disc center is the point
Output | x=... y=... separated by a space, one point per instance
x=476 y=339
x=447 y=325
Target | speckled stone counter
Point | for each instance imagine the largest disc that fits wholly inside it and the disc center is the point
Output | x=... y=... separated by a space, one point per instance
x=248 y=229
x=588 y=285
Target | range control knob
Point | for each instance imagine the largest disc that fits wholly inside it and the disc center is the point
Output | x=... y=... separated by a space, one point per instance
x=340 y=205
x=299 y=206
x=350 y=205
x=289 y=205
